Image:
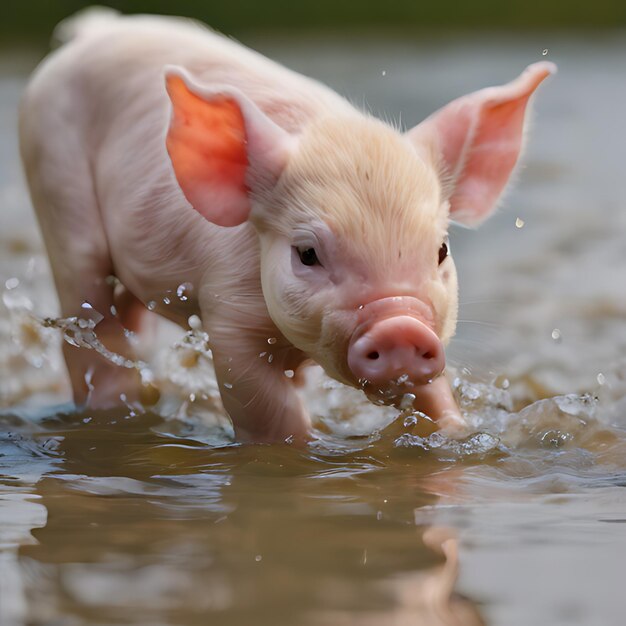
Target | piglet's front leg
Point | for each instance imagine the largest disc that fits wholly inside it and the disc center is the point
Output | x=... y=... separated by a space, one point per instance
x=437 y=401
x=258 y=395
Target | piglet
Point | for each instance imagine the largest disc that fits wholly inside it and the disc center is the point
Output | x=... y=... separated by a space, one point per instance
x=164 y=154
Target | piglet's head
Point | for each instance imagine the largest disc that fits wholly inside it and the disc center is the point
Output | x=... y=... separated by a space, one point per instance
x=352 y=216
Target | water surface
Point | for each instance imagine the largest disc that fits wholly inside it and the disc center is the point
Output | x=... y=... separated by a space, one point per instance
x=157 y=518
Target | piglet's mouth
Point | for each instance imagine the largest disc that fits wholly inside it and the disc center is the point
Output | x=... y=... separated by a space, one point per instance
x=396 y=392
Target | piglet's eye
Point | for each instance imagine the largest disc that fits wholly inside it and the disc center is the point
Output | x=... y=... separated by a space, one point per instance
x=308 y=256
x=443 y=251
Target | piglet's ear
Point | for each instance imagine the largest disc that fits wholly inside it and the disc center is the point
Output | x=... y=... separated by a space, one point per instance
x=478 y=139
x=221 y=147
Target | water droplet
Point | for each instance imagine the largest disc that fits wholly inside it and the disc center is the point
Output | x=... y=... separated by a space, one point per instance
x=183 y=291
x=409 y=421
x=289 y=373
x=555 y=439
x=113 y=310
x=361 y=307
x=195 y=323
x=228 y=385
x=12 y=283
x=166 y=300
x=545 y=51
x=151 y=305
x=270 y=358
x=505 y=384
x=258 y=558
x=271 y=340
x=601 y=379
x=519 y=223
x=556 y=335
x=407 y=401
x=379 y=515
x=384 y=72
x=262 y=354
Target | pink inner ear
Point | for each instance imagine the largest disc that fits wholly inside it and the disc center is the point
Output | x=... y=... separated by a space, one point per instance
x=479 y=138
x=484 y=170
x=206 y=142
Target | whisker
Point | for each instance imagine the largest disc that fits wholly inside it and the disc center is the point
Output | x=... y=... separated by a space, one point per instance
x=486 y=301
x=469 y=340
x=481 y=323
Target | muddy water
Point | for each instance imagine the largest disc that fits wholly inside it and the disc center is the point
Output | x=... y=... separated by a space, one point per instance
x=157 y=518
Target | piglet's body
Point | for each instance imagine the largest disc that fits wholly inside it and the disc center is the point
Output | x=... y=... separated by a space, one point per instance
x=167 y=155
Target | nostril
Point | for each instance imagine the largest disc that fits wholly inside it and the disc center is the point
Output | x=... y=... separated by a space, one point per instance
x=373 y=355
x=428 y=356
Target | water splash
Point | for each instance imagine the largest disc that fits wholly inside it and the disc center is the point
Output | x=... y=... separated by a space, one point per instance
x=479 y=444
x=81 y=333
x=188 y=363
x=504 y=414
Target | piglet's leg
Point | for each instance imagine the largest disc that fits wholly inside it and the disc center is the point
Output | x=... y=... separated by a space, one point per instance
x=260 y=399
x=251 y=358
x=62 y=191
x=96 y=381
x=437 y=401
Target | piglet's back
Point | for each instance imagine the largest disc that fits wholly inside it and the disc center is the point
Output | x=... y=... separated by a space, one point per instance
x=101 y=99
x=115 y=64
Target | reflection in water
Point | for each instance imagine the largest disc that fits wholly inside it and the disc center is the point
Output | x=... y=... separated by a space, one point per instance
x=147 y=523
x=19 y=513
x=21 y=510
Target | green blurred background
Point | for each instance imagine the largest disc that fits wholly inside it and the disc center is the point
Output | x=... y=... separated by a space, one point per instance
x=34 y=19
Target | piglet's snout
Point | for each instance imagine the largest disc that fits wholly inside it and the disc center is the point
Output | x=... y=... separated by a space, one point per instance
x=399 y=347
